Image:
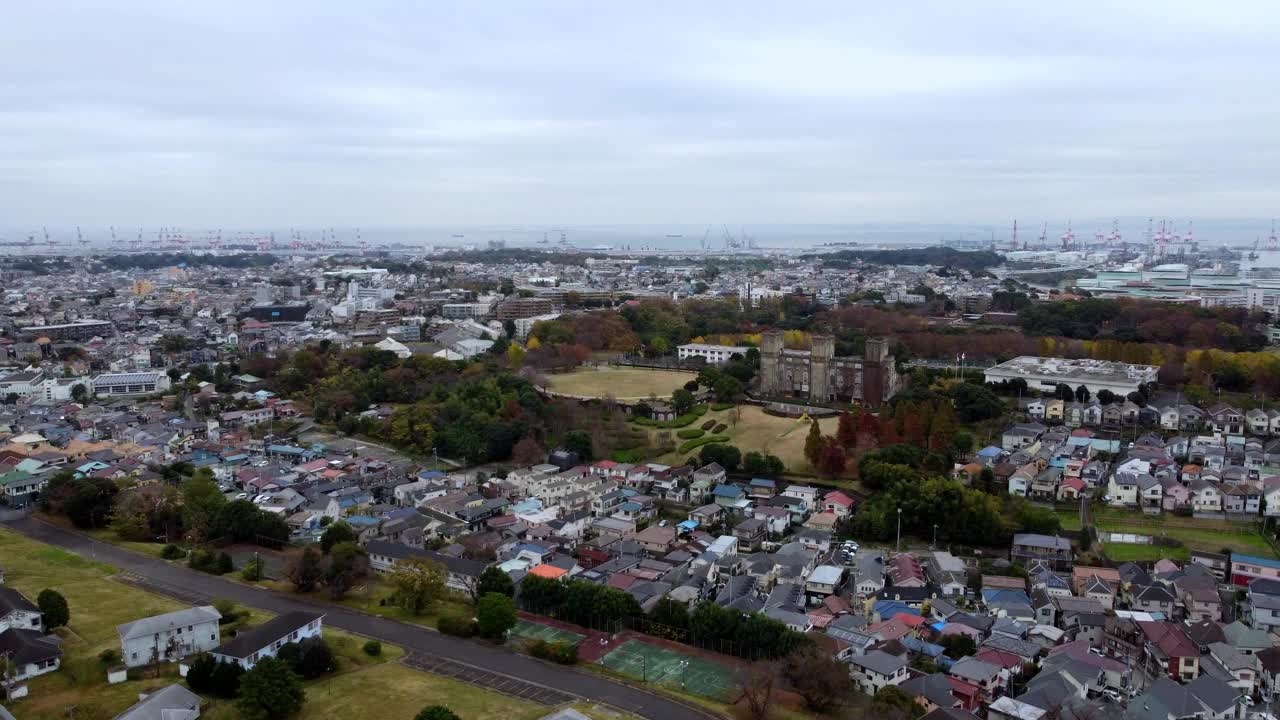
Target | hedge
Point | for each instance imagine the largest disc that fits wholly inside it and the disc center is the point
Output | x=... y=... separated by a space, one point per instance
x=458 y=625
x=558 y=651
x=719 y=428
x=708 y=424
x=690 y=433
x=721 y=406
x=699 y=442
x=682 y=421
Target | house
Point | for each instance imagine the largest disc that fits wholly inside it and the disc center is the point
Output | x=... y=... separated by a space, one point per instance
x=1122 y=491
x=1169 y=651
x=837 y=503
x=1152 y=599
x=29 y=653
x=989 y=678
x=1226 y=419
x=265 y=640
x=877 y=669
x=463 y=574
x=17 y=612
x=750 y=533
x=1206 y=698
x=1205 y=497
x=174 y=702
x=1246 y=568
x=1020 y=436
x=168 y=637
x=1264 y=604
x=1019 y=482
x=1053 y=551
x=657 y=540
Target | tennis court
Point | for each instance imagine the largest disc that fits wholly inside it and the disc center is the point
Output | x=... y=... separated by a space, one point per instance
x=538 y=631
x=650 y=663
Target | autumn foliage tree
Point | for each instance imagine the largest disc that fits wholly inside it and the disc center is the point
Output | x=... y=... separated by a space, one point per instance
x=847 y=431
x=831 y=460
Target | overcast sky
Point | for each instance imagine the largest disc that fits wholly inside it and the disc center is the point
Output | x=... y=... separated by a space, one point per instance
x=404 y=113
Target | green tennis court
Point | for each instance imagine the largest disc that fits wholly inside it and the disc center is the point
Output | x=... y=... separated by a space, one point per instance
x=650 y=663
x=538 y=631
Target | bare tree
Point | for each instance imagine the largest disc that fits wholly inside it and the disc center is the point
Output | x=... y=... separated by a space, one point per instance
x=756 y=683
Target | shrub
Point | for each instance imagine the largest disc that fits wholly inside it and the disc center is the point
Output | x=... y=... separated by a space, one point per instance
x=699 y=411
x=458 y=625
x=226 y=608
x=719 y=428
x=557 y=652
x=172 y=552
x=109 y=657
x=721 y=406
x=708 y=425
x=699 y=442
x=373 y=648
x=690 y=433
x=1165 y=541
x=224 y=564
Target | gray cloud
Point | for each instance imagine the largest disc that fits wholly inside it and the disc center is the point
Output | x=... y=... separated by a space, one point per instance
x=393 y=113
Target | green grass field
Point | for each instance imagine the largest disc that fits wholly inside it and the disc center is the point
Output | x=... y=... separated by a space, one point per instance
x=1195 y=534
x=755 y=430
x=98 y=604
x=621 y=383
x=653 y=664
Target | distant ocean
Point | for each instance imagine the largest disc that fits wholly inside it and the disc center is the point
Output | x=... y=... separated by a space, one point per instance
x=690 y=237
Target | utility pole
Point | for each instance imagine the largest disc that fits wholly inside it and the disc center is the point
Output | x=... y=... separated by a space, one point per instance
x=898 y=546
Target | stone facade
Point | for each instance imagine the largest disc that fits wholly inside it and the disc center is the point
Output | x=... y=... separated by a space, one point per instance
x=819 y=376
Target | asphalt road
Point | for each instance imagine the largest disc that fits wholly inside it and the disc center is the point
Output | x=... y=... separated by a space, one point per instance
x=410 y=637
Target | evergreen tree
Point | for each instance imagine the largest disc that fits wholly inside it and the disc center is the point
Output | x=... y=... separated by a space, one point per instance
x=813 y=443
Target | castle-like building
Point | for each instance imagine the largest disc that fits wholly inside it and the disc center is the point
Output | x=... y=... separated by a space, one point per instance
x=818 y=375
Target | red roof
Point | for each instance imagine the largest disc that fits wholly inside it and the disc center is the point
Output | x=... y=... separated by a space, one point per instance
x=914 y=621
x=1170 y=638
x=1073 y=482
x=550 y=572
x=838 y=498
x=605 y=464
x=999 y=657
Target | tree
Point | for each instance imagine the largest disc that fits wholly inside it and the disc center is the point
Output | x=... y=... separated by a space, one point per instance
x=671 y=613
x=847 y=431
x=832 y=460
x=821 y=680
x=80 y=393
x=958 y=645
x=813 y=443
x=755 y=688
x=528 y=452
x=202 y=501
x=254 y=570
x=436 y=712
x=54 y=608
x=270 y=691
x=495 y=615
x=347 y=561
x=1063 y=391
x=1082 y=394
x=893 y=700
x=962 y=444
x=305 y=570
x=495 y=580
x=314 y=658
x=418 y=584
x=1106 y=397
x=727 y=456
x=727 y=389
x=338 y=532
x=682 y=401
x=578 y=441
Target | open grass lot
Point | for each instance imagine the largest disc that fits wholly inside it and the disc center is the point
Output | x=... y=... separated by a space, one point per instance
x=1206 y=535
x=755 y=430
x=99 y=603
x=621 y=383
x=1070 y=519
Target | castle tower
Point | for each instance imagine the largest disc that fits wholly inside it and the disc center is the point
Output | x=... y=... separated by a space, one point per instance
x=824 y=348
x=771 y=363
x=879 y=377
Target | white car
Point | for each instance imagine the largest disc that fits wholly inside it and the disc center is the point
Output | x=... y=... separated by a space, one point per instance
x=1113 y=695
x=242 y=496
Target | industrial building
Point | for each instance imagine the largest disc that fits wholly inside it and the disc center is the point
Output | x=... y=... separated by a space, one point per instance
x=1045 y=374
x=78 y=331
x=134 y=383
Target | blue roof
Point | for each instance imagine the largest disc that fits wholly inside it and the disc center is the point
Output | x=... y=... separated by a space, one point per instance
x=991 y=451
x=889 y=608
x=763 y=482
x=728 y=491
x=241 y=457
x=285 y=449
x=630 y=507
x=361 y=520
x=688 y=525
x=1255 y=560
x=430 y=475
x=1003 y=595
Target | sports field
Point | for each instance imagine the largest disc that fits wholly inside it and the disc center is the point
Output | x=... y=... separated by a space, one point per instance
x=650 y=663
x=622 y=383
x=538 y=631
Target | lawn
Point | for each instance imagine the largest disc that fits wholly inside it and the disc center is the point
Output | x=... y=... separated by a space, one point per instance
x=98 y=604
x=1070 y=519
x=1123 y=552
x=1205 y=535
x=621 y=383
x=755 y=430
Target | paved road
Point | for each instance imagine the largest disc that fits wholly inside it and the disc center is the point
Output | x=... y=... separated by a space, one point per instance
x=413 y=638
